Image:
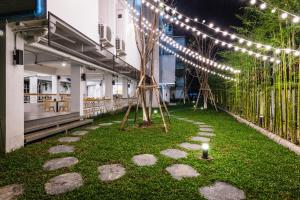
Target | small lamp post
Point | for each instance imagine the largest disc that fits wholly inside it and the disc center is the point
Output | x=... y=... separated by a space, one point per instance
x=205 y=148
x=155 y=111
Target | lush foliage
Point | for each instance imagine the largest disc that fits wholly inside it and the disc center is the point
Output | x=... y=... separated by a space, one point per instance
x=267 y=94
x=242 y=157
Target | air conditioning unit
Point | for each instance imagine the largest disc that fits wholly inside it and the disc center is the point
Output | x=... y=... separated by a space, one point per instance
x=120 y=47
x=105 y=35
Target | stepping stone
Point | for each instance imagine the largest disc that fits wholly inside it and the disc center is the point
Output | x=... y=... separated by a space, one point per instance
x=206 y=134
x=69 y=139
x=180 y=171
x=205 y=126
x=207 y=129
x=106 y=124
x=193 y=147
x=61 y=149
x=144 y=160
x=117 y=122
x=111 y=172
x=199 y=123
x=80 y=133
x=11 y=192
x=174 y=153
x=200 y=139
x=92 y=128
x=59 y=163
x=222 y=191
x=63 y=183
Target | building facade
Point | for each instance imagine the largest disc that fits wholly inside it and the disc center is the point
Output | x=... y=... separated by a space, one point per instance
x=65 y=57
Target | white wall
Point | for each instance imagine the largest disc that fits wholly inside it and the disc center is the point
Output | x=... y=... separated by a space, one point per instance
x=125 y=30
x=167 y=69
x=14 y=97
x=81 y=14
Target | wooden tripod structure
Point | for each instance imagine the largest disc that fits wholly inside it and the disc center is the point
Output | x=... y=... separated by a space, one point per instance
x=145 y=43
x=207 y=49
x=154 y=88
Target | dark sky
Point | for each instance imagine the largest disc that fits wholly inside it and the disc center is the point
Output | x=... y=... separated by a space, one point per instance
x=220 y=12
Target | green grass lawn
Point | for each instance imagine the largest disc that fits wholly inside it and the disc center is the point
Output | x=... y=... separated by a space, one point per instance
x=242 y=157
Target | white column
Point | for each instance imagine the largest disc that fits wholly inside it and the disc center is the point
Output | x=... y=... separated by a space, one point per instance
x=11 y=93
x=54 y=85
x=77 y=89
x=125 y=87
x=33 y=88
x=108 y=89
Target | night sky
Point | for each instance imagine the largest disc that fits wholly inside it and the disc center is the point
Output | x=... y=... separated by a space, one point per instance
x=221 y=12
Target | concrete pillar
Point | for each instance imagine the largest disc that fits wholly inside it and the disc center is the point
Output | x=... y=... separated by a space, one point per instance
x=108 y=89
x=125 y=87
x=108 y=86
x=11 y=93
x=33 y=88
x=77 y=89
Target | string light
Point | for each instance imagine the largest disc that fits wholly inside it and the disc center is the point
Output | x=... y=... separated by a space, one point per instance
x=234 y=37
x=187 y=51
x=283 y=14
x=228 y=45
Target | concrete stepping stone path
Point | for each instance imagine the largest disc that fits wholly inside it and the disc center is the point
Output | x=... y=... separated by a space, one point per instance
x=180 y=171
x=117 y=122
x=63 y=183
x=200 y=139
x=105 y=124
x=61 y=149
x=199 y=123
x=189 y=146
x=144 y=160
x=69 y=139
x=11 y=192
x=222 y=191
x=206 y=134
x=205 y=126
x=174 y=153
x=59 y=163
x=92 y=128
x=80 y=133
x=207 y=129
x=111 y=172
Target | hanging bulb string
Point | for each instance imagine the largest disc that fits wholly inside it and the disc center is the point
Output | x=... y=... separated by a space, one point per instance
x=182 y=58
x=191 y=53
x=177 y=18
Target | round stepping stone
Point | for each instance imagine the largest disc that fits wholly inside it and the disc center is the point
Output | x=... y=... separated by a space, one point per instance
x=117 y=122
x=69 y=139
x=180 y=171
x=106 y=124
x=222 y=191
x=207 y=129
x=144 y=160
x=80 y=133
x=92 y=128
x=63 y=183
x=200 y=139
x=11 y=192
x=111 y=172
x=206 y=134
x=60 y=163
x=193 y=147
x=61 y=149
x=174 y=153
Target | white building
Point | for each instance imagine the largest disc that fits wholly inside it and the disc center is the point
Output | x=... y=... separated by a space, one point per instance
x=80 y=60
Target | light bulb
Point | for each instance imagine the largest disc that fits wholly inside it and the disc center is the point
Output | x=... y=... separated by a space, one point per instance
x=296 y=20
x=284 y=15
x=263 y=6
x=252 y=2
